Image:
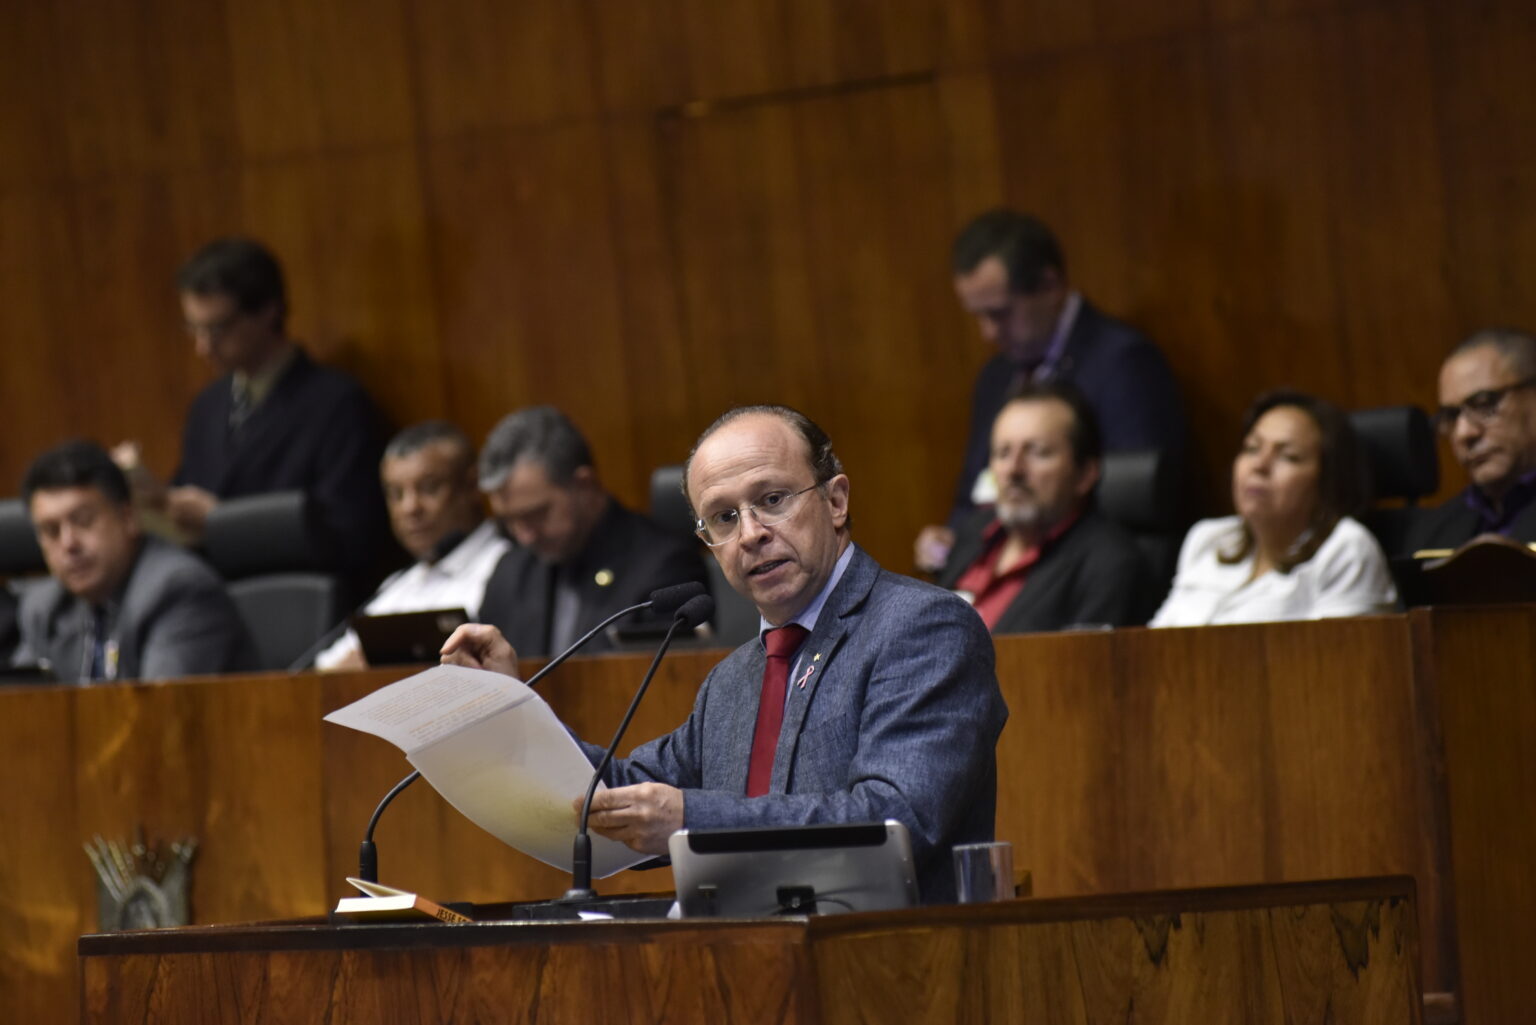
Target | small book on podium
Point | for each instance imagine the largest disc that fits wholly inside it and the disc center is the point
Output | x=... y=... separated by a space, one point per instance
x=387 y=904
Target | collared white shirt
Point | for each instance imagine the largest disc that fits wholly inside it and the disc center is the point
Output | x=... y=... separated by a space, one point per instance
x=457 y=580
x=1348 y=576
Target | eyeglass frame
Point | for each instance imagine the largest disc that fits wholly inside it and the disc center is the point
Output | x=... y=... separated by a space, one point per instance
x=1482 y=406
x=702 y=530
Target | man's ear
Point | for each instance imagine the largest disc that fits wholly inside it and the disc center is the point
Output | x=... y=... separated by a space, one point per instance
x=271 y=317
x=837 y=497
x=1052 y=280
x=131 y=520
x=1087 y=478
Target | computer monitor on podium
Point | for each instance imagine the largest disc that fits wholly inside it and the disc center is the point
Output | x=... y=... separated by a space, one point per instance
x=798 y=870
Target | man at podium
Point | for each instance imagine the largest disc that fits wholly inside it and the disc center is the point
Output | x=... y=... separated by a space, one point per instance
x=866 y=695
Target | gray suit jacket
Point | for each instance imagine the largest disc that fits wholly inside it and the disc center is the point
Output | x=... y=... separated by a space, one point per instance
x=900 y=720
x=172 y=617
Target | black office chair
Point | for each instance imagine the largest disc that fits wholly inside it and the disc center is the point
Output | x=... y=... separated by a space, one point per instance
x=736 y=619
x=19 y=554
x=1140 y=491
x=1404 y=464
x=267 y=548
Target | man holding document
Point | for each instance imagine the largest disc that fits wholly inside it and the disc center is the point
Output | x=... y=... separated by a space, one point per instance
x=867 y=695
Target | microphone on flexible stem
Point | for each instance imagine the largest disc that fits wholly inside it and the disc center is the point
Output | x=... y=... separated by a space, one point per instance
x=691 y=614
x=663 y=600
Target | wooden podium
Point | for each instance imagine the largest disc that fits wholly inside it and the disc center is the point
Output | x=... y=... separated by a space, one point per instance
x=1344 y=952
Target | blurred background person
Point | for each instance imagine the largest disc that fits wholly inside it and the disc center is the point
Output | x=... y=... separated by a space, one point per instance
x=274 y=420
x=1010 y=274
x=578 y=554
x=118 y=605
x=1044 y=557
x=1293 y=551
x=437 y=514
x=1488 y=414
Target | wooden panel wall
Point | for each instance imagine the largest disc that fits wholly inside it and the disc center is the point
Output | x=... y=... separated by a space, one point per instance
x=645 y=210
x=1133 y=759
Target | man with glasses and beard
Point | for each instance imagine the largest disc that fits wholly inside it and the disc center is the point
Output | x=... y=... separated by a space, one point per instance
x=1044 y=557
x=867 y=695
x=1488 y=414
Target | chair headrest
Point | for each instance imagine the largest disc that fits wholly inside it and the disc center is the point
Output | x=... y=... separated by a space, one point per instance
x=19 y=552
x=269 y=533
x=668 y=506
x=1399 y=445
x=1139 y=490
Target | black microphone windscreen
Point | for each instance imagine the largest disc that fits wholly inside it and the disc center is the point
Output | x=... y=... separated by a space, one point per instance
x=667 y=600
x=696 y=610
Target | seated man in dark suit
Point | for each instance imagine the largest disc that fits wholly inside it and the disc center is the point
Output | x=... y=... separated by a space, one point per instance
x=580 y=555
x=868 y=696
x=119 y=605
x=1045 y=557
x=275 y=420
x=1010 y=275
x=1488 y=412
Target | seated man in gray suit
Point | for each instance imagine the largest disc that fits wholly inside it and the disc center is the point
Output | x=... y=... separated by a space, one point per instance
x=868 y=695
x=1044 y=557
x=119 y=605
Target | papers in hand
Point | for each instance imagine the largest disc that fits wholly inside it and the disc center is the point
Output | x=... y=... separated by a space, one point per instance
x=496 y=752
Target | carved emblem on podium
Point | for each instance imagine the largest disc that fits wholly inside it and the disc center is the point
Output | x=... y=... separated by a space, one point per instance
x=139 y=886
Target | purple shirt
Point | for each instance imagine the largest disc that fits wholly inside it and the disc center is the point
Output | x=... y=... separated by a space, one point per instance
x=1499 y=520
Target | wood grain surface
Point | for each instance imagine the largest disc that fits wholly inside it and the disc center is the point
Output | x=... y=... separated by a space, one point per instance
x=645 y=211
x=1132 y=759
x=1342 y=952
x=1481 y=662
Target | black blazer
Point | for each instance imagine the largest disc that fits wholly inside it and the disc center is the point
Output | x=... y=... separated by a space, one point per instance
x=317 y=432
x=1094 y=573
x=627 y=557
x=1454 y=523
x=1121 y=373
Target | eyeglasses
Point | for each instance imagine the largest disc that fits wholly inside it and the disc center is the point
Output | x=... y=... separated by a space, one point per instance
x=215 y=329
x=1481 y=407
x=775 y=506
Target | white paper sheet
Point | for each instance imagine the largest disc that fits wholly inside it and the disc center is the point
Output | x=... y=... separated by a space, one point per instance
x=496 y=752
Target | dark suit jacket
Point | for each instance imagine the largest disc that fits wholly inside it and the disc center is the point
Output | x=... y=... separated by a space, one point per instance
x=1094 y=573
x=627 y=557
x=900 y=721
x=1121 y=373
x=1454 y=523
x=316 y=432
x=171 y=618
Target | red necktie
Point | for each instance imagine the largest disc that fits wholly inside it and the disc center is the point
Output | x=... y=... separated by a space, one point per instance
x=781 y=644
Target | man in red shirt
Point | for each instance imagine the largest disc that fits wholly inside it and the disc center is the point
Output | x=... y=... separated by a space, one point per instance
x=1044 y=558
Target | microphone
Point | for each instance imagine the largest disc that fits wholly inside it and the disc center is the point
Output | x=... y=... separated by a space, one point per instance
x=664 y=600
x=692 y=612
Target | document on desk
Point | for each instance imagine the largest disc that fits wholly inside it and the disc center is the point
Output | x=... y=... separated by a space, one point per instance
x=495 y=751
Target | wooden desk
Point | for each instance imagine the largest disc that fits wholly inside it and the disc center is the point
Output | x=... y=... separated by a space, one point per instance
x=1344 y=952
x=1132 y=760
